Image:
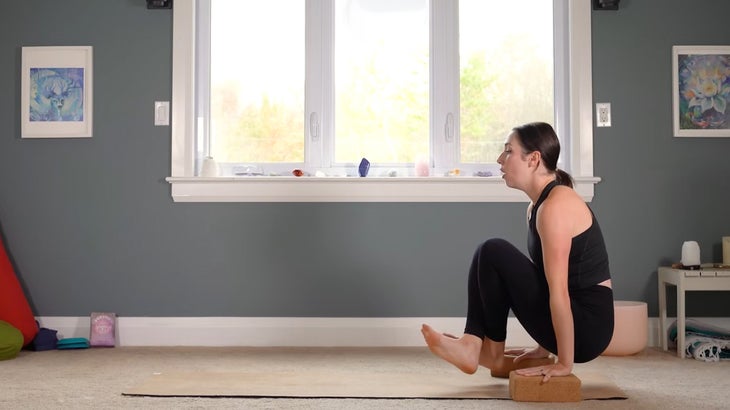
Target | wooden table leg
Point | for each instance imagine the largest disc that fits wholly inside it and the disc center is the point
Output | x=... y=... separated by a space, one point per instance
x=680 y=320
x=663 y=313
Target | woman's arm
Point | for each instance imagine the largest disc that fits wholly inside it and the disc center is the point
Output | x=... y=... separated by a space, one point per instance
x=556 y=224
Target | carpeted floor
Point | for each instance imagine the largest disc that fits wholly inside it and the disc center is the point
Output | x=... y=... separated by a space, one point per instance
x=349 y=383
x=95 y=378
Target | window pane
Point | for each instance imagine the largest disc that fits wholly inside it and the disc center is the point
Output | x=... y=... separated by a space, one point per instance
x=506 y=63
x=257 y=81
x=381 y=80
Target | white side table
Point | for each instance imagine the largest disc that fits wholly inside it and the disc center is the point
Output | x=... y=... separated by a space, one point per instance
x=685 y=281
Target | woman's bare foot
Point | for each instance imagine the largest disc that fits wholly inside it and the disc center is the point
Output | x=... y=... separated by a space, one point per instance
x=462 y=353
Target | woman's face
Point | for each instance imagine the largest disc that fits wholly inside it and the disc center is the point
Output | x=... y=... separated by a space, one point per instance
x=513 y=161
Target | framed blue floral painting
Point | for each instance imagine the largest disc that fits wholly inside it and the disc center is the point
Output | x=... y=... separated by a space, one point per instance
x=56 y=92
x=701 y=91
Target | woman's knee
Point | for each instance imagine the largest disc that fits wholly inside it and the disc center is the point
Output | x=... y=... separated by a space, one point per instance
x=496 y=249
x=494 y=246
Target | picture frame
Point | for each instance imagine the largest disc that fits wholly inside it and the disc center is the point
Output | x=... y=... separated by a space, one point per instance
x=56 y=97
x=701 y=91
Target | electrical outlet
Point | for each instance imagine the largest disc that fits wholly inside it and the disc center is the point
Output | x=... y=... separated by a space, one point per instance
x=603 y=114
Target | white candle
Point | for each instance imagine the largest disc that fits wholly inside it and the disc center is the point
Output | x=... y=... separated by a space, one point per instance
x=209 y=168
x=726 y=250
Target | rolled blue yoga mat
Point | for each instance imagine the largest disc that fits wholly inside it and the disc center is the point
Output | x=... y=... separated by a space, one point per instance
x=703 y=341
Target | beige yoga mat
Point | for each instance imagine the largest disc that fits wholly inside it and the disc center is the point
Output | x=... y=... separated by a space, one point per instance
x=313 y=384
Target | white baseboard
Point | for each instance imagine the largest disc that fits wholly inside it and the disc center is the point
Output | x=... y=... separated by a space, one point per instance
x=297 y=332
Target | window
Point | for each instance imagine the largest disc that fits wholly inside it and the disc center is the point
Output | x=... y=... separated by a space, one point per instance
x=381 y=81
x=403 y=82
x=250 y=104
x=506 y=73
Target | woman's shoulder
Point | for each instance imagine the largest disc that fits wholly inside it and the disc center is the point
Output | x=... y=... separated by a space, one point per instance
x=564 y=207
x=562 y=193
x=563 y=199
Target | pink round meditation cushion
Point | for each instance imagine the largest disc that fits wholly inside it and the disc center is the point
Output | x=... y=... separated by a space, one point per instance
x=630 y=329
x=14 y=307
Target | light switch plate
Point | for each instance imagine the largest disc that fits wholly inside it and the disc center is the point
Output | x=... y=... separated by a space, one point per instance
x=162 y=113
x=603 y=114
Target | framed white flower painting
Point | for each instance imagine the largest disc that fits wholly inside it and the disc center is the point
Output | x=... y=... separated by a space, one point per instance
x=701 y=91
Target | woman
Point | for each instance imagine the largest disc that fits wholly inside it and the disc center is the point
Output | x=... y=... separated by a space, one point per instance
x=562 y=296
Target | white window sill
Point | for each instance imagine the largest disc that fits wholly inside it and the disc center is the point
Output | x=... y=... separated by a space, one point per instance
x=353 y=189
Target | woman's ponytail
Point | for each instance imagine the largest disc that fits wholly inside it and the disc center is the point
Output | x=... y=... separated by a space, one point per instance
x=563 y=178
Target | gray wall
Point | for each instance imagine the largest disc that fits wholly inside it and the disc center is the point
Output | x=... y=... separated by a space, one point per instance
x=90 y=225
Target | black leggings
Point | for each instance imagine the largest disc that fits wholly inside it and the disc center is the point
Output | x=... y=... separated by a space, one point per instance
x=503 y=278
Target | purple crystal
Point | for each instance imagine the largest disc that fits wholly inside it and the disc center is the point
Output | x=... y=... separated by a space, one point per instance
x=364 y=167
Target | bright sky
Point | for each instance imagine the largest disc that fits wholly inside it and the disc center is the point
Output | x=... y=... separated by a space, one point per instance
x=270 y=59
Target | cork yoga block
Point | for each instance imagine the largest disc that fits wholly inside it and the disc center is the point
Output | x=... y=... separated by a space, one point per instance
x=531 y=388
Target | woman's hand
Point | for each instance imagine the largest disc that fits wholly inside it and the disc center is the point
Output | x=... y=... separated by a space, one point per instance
x=557 y=369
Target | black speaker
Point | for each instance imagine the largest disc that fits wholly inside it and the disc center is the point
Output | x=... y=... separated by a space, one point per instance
x=605 y=4
x=159 y=4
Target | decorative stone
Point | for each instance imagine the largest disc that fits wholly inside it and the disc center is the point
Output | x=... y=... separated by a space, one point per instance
x=297 y=172
x=364 y=167
x=422 y=167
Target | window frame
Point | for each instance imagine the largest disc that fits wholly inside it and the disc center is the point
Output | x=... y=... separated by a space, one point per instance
x=576 y=124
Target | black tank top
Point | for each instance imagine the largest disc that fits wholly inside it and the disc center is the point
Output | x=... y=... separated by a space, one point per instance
x=588 y=261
